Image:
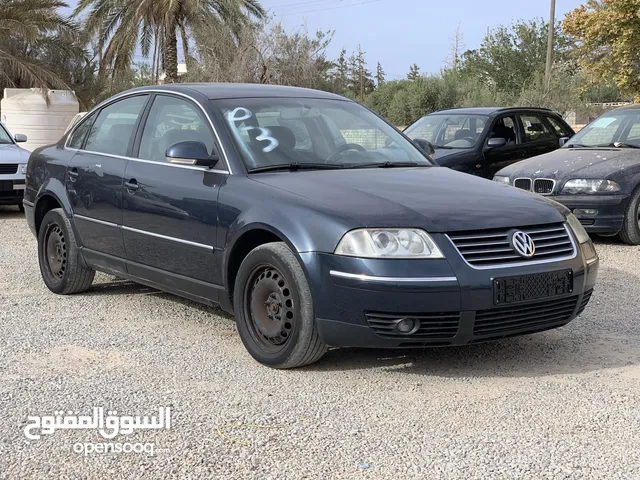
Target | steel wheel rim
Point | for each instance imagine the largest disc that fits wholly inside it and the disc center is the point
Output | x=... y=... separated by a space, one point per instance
x=271 y=308
x=56 y=251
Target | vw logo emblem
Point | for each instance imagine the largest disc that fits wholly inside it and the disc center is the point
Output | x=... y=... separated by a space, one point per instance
x=523 y=244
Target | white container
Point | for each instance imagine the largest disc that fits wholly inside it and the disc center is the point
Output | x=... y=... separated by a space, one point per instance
x=25 y=110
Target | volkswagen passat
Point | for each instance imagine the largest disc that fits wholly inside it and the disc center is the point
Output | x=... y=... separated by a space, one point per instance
x=307 y=216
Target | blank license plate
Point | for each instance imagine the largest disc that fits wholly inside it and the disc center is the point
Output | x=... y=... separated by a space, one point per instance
x=531 y=287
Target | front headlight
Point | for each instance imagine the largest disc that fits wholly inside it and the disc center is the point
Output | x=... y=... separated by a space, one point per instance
x=585 y=185
x=501 y=179
x=23 y=169
x=388 y=243
x=578 y=230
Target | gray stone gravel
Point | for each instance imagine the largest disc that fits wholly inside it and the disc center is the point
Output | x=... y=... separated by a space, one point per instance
x=560 y=404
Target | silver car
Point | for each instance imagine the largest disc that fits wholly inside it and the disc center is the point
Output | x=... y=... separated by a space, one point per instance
x=13 y=166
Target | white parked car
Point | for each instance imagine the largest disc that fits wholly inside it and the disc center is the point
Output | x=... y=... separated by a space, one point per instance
x=13 y=167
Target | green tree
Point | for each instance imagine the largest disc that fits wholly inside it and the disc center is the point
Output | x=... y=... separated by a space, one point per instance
x=27 y=29
x=380 y=80
x=608 y=34
x=509 y=57
x=121 y=26
x=360 y=79
x=414 y=72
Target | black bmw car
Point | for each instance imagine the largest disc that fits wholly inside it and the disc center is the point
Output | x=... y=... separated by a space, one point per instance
x=596 y=175
x=307 y=216
x=481 y=141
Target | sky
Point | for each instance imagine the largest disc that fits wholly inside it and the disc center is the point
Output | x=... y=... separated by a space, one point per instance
x=399 y=33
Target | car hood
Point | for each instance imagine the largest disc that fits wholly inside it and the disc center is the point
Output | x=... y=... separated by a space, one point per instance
x=575 y=163
x=437 y=199
x=10 y=153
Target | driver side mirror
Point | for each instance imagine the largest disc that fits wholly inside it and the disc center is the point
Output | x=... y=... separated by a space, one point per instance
x=191 y=153
x=426 y=146
x=20 y=137
x=563 y=140
x=496 y=142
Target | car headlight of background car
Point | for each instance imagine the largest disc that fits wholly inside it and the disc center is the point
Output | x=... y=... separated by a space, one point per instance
x=585 y=185
x=501 y=179
x=583 y=237
x=23 y=169
x=388 y=243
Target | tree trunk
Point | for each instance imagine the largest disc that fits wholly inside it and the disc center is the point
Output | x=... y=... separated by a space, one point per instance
x=170 y=54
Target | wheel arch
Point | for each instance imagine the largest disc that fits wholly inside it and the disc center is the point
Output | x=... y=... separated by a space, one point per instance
x=250 y=237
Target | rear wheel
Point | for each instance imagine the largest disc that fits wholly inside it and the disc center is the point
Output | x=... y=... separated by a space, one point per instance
x=274 y=309
x=61 y=267
x=630 y=232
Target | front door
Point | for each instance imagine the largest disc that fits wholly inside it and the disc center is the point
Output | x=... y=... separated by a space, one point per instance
x=497 y=158
x=170 y=210
x=95 y=173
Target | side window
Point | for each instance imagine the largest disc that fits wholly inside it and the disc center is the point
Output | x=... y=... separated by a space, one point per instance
x=505 y=127
x=561 y=130
x=172 y=120
x=112 y=130
x=535 y=130
x=77 y=137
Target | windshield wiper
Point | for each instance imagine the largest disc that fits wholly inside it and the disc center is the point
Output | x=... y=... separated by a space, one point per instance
x=296 y=166
x=579 y=145
x=388 y=165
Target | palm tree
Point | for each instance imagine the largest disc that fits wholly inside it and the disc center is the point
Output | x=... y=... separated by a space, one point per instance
x=120 y=26
x=26 y=28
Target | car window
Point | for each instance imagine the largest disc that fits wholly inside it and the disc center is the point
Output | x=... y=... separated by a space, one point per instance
x=77 y=137
x=112 y=130
x=4 y=136
x=335 y=133
x=172 y=120
x=535 y=130
x=601 y=131
x=560 y=129
x=297 y=126
x=450 y=131
x=633 y=135
x=505 y=127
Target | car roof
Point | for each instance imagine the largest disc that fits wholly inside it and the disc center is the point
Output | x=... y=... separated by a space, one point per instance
x=625 y=107
x=488 y=110
x=218 y=91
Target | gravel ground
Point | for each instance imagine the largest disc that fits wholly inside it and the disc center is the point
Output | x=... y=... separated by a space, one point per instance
x=560 y=404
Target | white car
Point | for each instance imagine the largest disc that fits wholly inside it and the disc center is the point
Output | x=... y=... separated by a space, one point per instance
x=13 y=167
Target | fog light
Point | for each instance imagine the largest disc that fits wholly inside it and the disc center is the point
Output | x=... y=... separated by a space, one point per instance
x=585 y=212
x=407 y=326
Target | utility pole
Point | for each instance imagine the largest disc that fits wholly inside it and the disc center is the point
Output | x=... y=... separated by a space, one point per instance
x=552 y=29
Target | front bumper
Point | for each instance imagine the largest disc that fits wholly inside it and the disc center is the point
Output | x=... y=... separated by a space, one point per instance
x=611 y=210
x=453 y=301
x=11 y=190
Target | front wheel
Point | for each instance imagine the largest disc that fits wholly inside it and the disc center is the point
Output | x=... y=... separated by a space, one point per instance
x=274 y=309
x=61 y=266
x=630 y=232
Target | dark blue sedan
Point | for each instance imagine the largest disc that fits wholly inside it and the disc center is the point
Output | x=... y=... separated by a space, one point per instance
x=307 y=216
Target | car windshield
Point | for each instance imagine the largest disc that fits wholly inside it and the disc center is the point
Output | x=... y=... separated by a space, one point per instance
x=613 y=129
x=315 y=133
x=448 y=131
x=4 y=136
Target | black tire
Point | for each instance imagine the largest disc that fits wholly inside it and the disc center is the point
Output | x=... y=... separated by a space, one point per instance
x=630 y=232
x=271 y=277
x=62 y=270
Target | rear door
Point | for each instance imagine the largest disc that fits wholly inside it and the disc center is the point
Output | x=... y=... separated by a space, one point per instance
x=539 y=137
x=94 y=177
x=170 y=210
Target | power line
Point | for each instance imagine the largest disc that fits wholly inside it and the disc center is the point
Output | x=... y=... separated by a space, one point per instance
x=290 y=9
x=334 y=8
x=320 y=2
